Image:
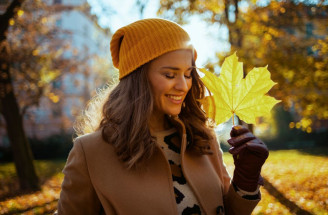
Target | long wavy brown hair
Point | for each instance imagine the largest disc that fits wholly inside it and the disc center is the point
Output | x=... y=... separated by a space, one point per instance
x=126 y=110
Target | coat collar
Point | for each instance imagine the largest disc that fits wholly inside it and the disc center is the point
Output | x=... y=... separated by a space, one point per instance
x=198 y=171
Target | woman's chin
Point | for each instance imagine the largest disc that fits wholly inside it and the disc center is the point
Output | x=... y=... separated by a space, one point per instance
x=174 y=113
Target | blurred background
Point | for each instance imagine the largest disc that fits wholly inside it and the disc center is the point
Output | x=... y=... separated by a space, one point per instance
x=54 y=57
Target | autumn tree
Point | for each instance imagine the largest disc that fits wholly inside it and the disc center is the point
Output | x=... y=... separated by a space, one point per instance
x=225 y=12
x=289 y=36
x=10 y=110
x=32 y=56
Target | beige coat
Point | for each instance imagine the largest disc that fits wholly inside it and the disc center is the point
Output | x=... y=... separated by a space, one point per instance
x=96 y=182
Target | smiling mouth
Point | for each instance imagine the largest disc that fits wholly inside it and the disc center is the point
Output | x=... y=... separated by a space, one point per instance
x=175 y=98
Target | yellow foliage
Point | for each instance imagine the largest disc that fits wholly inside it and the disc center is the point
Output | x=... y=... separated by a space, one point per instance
x=20 y=12
x=289 y=74
x=267 y=36
x=44 y=20
x=54 y=98
x=48 y=76
x=234 y=95
x=265 y=17
x=254 y=28
x=325 y=114
x=11 y=21
x=298 y=125
x=308 y=129
x=305 y=123
x=276 y=35
x=35 y=52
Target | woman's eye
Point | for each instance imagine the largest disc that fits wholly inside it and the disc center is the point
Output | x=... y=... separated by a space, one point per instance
x=188 y=76
x=169 y=76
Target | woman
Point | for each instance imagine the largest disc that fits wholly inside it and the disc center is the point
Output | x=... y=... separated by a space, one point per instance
x=153 y=151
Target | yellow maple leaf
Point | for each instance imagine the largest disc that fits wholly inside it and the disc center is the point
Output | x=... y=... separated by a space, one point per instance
x=231 y=94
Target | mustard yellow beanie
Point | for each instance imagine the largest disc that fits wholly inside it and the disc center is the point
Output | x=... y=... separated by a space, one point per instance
x=144 y=40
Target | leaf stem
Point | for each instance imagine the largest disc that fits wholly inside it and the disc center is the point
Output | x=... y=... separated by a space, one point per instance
x=233 y=119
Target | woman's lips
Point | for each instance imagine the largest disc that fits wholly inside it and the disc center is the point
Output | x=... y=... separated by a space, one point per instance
x=175 y=99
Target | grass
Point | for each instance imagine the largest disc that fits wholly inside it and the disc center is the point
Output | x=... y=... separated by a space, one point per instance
x=301 y=176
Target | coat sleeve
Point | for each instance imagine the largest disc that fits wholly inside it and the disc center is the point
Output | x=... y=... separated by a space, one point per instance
x=234 y=204
x=77 y=195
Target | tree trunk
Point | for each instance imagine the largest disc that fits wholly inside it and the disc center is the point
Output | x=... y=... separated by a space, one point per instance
x=23 y=158
x=235 y=37
x=9 y=108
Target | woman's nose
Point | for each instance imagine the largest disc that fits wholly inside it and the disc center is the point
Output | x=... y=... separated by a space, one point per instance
x=182 y=84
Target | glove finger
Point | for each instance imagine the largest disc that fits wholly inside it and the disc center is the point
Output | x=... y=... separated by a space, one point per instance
x=241 y=139
x=261 y=181
x=236 y=150
x=258 y=147
x=238 y=130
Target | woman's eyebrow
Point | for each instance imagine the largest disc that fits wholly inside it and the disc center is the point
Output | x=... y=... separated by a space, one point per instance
x=176 y=68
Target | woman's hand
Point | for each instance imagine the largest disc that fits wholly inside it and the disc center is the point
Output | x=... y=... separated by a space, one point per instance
x=249 y=154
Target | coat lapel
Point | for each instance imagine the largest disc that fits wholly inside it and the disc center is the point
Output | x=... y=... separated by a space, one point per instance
x=200 y=175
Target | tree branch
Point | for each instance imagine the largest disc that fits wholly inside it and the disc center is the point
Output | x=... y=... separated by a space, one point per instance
x=236 y=10
x=4 y=18
x=226 y=11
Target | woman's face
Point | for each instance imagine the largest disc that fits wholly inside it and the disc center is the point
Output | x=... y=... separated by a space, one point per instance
x=170 y=79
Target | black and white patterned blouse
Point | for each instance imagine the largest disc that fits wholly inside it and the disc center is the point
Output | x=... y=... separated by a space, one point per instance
x=185 y=198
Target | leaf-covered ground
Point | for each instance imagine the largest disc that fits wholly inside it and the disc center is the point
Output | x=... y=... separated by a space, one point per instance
x=300 y=177
x=41 y=202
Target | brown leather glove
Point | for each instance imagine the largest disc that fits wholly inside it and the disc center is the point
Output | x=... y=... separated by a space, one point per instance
x=249 y=154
